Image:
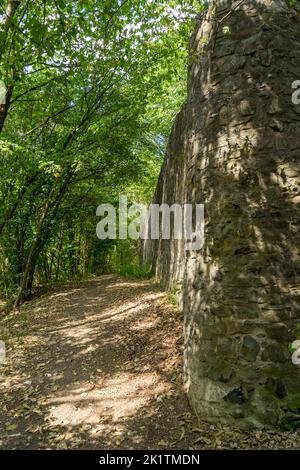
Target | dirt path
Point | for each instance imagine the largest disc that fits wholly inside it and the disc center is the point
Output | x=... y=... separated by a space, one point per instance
x=98 y=366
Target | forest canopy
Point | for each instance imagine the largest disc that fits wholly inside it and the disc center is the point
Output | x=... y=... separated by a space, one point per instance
x=89 y=92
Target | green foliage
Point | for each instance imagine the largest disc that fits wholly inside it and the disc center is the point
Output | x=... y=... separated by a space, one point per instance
x=93 y=88
x=174 y=292
x=135 y=270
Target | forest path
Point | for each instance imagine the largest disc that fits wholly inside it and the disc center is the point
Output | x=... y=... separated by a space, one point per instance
x=99 y=367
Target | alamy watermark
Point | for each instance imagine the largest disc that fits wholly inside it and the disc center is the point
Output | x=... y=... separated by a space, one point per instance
x=296 y=93
x=296 y=353
x=138 y=221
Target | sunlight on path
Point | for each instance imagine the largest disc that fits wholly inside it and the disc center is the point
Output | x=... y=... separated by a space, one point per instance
x=100 y=367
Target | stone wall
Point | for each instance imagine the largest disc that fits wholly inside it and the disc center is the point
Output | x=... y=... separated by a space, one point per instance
x=235 y=146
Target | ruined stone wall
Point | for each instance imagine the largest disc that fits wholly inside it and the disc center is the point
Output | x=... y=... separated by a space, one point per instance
x=235 y=146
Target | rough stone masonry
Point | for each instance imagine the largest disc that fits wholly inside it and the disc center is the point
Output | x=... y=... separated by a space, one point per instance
x=235 y=146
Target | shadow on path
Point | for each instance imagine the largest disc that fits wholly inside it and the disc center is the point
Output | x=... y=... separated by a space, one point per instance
x=100 y=367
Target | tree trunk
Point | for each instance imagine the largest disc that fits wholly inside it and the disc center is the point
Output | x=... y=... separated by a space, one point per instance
x=5 y=25
x=52 y=204
x=7 y=22
x=26 y=282
x=4 y=107
x=235 y=148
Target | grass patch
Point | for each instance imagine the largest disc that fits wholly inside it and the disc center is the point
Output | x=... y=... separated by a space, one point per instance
x=136 y=271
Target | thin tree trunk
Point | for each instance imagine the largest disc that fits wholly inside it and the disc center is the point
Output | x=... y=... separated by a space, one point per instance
x=23 y=290
x=5 y=26
x=38 y=244
x=59 y=256
x=7 y=22
x=4 y=107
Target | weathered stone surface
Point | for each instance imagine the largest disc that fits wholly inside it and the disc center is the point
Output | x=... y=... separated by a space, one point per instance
x=273 y=352
x=250 y=349
x=236 y=396
x=235 y=147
